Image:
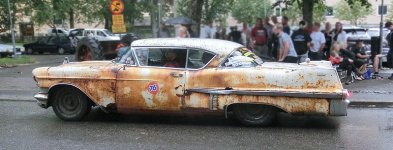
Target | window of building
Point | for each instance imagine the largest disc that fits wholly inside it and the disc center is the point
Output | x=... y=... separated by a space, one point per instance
x=329 y=11
x=278 y=11
x=382 y=10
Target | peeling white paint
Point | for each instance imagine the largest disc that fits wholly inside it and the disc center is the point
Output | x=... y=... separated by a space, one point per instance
x=148 y=97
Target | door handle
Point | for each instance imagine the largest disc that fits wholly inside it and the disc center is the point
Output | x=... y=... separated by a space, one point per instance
x=176 y=75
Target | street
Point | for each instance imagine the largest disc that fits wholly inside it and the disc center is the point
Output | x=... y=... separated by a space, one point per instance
x=24 y=125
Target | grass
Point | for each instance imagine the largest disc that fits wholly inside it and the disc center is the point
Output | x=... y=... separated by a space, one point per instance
x=12 y=62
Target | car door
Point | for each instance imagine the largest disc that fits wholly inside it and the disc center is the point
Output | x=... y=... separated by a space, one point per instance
x=51 y=45
x=156 y=83
x=39 y=46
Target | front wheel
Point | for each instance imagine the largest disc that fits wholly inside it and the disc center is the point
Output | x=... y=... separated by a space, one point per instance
x=70 y=104
x=254 y=114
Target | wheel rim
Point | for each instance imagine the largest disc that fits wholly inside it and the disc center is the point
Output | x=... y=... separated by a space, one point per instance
x=69 y=104
x=61 y=51
x=29 y=50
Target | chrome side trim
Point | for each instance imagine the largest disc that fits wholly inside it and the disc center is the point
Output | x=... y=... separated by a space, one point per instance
x=267 y=93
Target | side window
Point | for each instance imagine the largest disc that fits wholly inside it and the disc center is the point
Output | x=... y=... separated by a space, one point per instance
x=162 y=57
x=127 y=58
x=198 y=58
x=100 y=33
x=242 y=57
x=52 y=40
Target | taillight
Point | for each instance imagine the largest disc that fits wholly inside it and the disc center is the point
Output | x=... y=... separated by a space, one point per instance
x=346 y=94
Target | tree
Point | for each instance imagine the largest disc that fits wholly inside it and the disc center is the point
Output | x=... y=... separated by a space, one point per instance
x=4 y=17
x=247 y=10
x=354 y=13
x=295 y=13
x=203 y=11
x=307 y=6
x=389 y=16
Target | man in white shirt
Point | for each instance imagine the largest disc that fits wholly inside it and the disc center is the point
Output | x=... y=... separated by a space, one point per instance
x=208 y=31
x=317 y=43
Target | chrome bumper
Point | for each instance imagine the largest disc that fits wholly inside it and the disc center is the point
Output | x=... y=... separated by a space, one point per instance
x=338 y=107
x=42 y=99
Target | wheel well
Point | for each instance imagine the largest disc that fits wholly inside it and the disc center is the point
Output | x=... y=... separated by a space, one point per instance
x=54 y=89
x=229 y=108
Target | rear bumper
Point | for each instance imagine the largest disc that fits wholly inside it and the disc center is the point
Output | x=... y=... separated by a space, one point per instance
x=338 y=107
x=42 y=99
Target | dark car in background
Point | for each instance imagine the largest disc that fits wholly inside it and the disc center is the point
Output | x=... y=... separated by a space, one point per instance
x=51 y=44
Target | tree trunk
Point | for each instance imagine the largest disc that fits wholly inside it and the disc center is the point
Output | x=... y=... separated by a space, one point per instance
x=308 y=7
x=72 y=22
x=196 y=15
x=107 y=22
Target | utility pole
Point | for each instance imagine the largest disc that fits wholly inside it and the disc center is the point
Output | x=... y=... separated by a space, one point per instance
x=381 y=31
x=11 y=28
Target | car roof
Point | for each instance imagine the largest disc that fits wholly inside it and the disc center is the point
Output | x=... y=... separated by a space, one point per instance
x=221 y=47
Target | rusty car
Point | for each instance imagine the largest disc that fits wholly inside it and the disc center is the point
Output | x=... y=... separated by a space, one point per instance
x=192 y=76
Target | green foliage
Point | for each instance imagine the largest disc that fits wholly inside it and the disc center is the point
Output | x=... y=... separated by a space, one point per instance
x=247 y=10
x=294 y=12
x=353 y=13
x=10 y=62
x=211 y=9
x=4 y=18
x=389 y=16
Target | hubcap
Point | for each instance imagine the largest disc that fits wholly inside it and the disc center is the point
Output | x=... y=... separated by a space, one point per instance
x=61 y=51
x=69 y=104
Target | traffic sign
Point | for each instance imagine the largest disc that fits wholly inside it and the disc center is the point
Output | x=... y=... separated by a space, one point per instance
x=119 y=28
x=117 y=19
x=116 y=7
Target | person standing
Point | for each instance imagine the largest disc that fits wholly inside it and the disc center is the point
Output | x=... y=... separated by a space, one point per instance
x=208 y=31
x=235 y=35
x=163 y=31
x=258 y=39
x=389 y=38
x=269 y=29
x=284 y=21
x=328 y=37
x=183 y=32
x=275 y=43
x=301 y=40
x=287 y=51
x=245 y=35
x=339 y=35
x=317 y=43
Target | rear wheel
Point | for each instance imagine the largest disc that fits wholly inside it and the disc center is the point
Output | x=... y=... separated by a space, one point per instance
x=88 y=49
x=70 y=104
x=60 y=51
x=254 y=114
x=29 y=51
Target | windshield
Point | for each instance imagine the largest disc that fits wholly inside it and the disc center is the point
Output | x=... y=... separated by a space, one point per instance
x=107 y=32
x=242 y=57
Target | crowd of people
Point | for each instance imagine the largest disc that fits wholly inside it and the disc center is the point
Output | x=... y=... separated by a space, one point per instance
x=273 y=41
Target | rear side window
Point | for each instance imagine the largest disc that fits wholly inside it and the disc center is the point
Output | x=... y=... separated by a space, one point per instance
x=242 y=57
x=162 y=57
x=198 y=58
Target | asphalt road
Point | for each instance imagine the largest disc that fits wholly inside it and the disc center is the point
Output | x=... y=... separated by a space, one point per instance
x=23 y=125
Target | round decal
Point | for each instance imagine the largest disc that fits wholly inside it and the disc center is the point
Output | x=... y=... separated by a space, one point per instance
x=152 y=88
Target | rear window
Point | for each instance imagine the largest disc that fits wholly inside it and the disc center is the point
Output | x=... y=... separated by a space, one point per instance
x=242 y=57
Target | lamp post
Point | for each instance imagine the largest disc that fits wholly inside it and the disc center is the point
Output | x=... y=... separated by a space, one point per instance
x=11 y=28
x=381 y=31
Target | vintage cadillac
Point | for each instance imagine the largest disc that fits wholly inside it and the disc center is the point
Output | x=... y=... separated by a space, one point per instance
x=192 y=76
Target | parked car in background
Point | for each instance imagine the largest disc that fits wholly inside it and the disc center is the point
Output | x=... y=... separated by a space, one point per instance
x=99 y=34
x=52 y=44
x=192 y=76
x=374 y=32
x=8 y=50
x=357 y=34
x=58 y=32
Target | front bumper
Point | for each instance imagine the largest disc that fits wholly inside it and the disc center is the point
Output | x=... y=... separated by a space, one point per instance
x=338 y=107
x=42 y=99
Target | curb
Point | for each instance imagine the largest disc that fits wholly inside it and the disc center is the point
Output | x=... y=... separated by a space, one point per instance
x=372 y=104
x=15 y=100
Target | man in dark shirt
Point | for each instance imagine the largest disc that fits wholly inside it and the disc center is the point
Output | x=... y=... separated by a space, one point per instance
x=301 y=39
x=284 y=22
x=389 y=38
x=328 y=38
x=235 y=35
